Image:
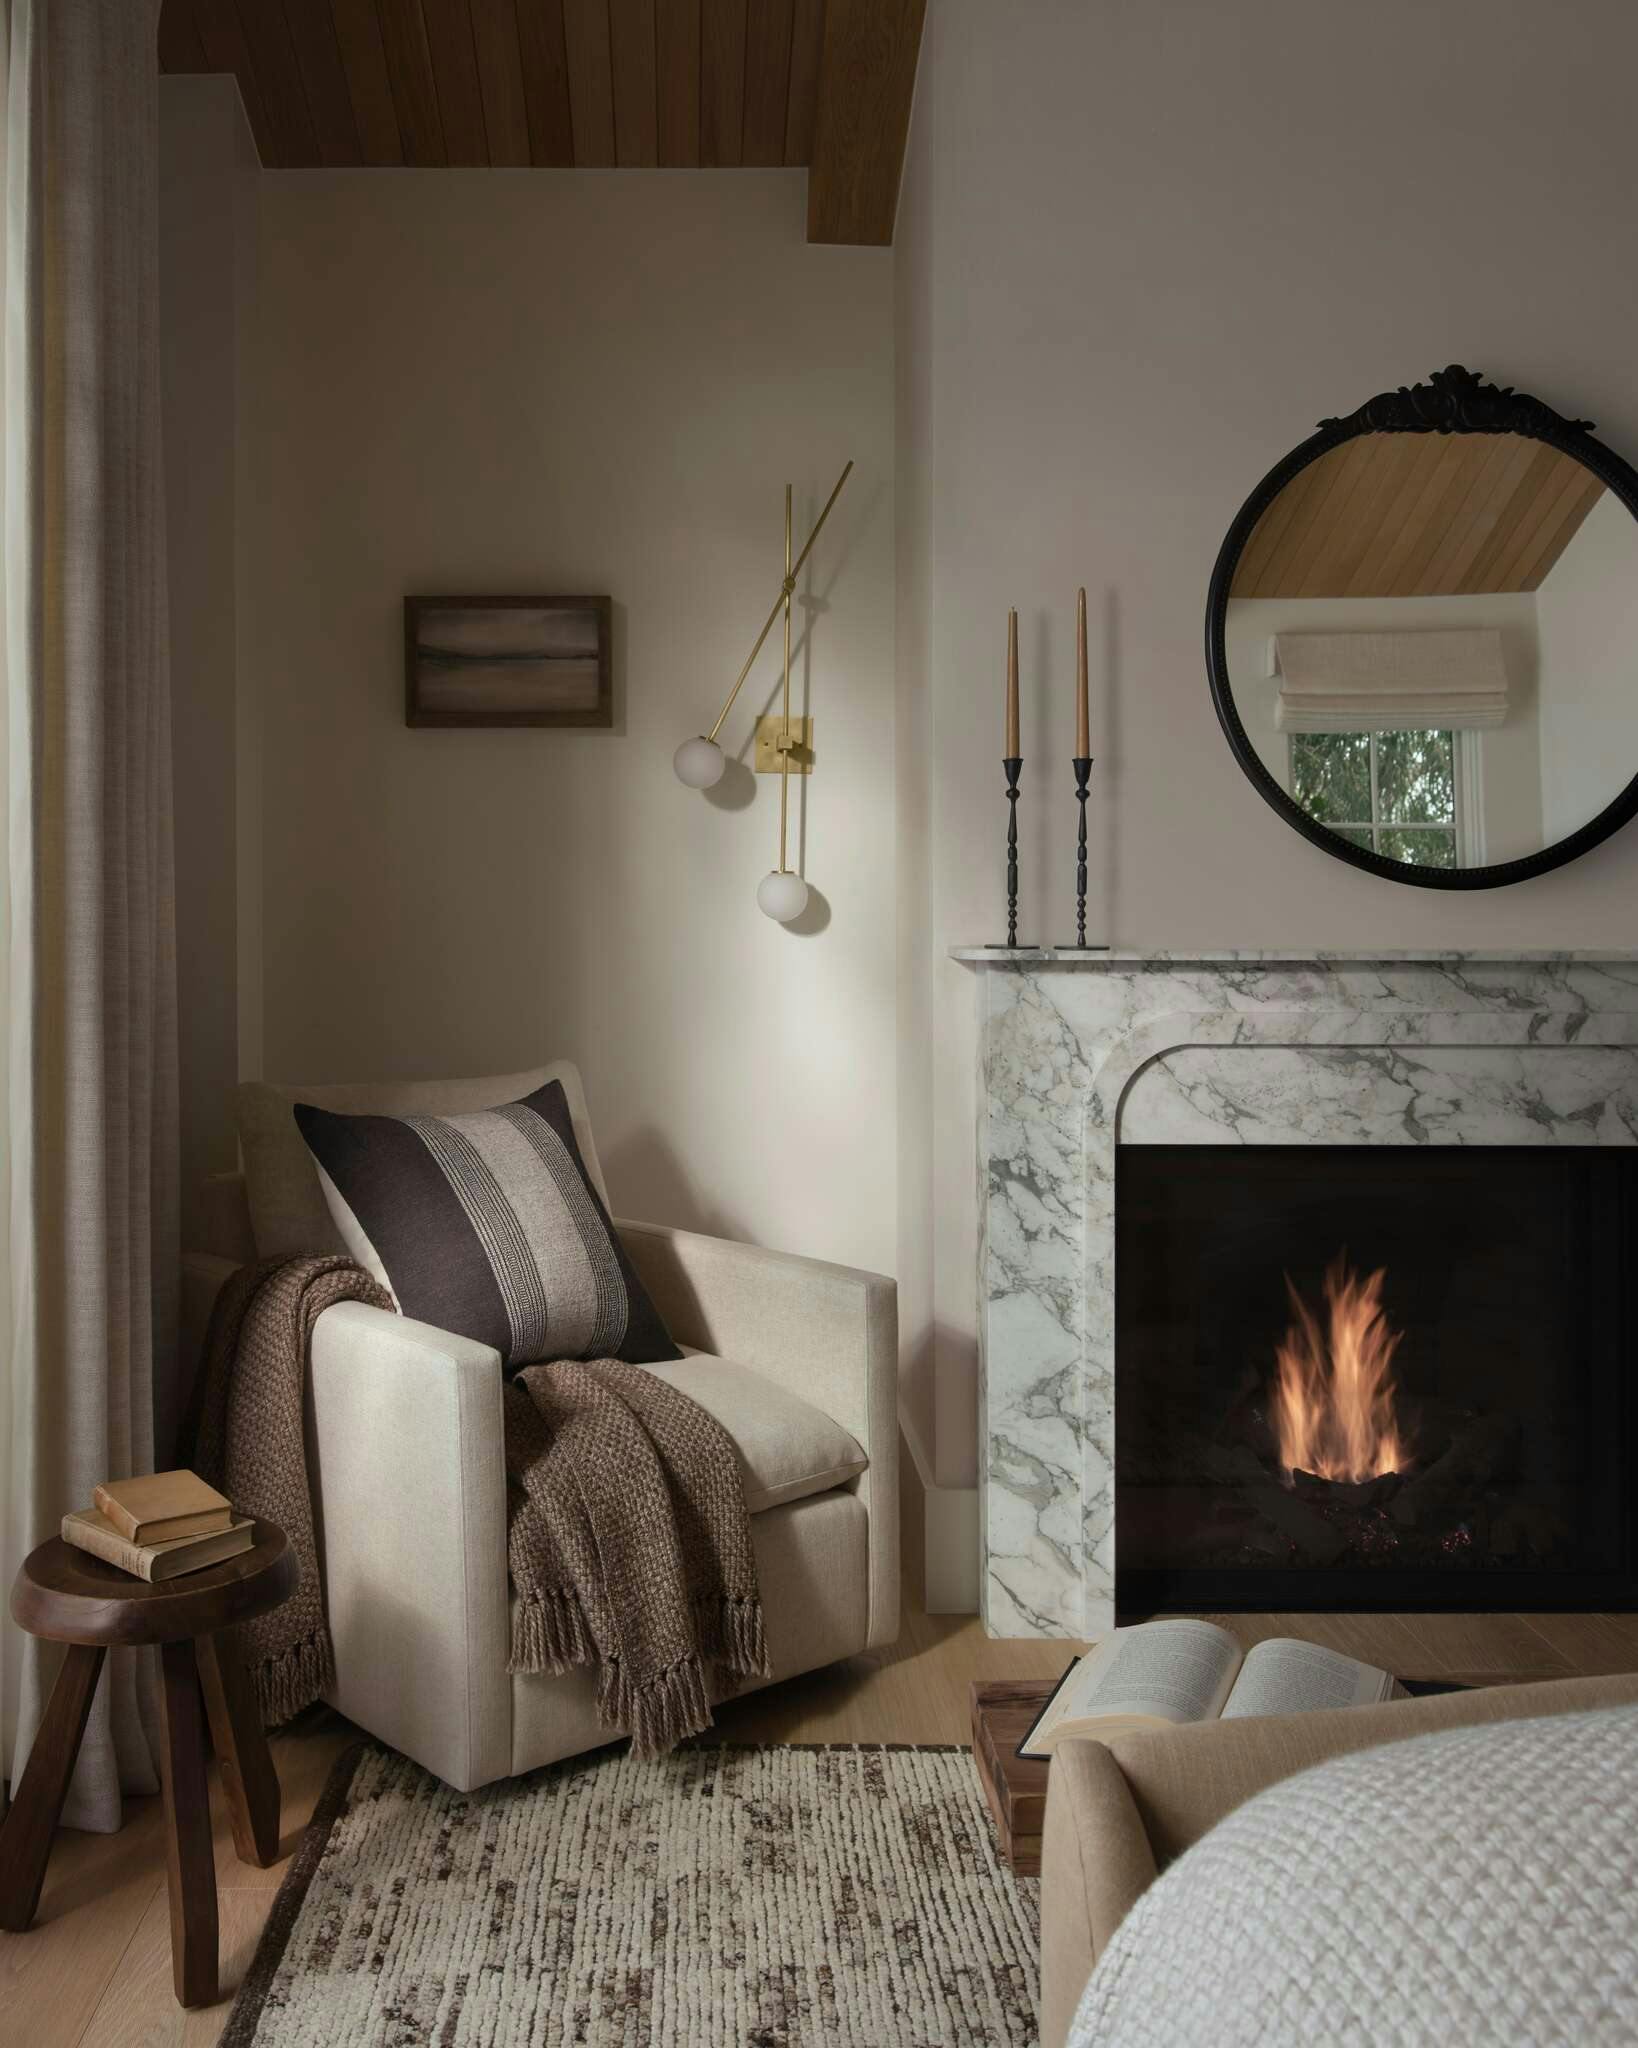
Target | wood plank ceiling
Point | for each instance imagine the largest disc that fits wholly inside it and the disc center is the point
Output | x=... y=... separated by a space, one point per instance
x=581 y=83
x=1419 y=515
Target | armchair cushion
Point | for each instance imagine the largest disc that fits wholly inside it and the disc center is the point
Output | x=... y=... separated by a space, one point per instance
x=288 y=1212
x=788 y=1449
x=487 y=1224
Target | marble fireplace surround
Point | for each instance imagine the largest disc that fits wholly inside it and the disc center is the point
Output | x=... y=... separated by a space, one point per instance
x=1081 y=1054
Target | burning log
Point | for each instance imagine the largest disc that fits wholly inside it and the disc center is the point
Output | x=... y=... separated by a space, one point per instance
x=1356 y=1496
x=1319 y=1541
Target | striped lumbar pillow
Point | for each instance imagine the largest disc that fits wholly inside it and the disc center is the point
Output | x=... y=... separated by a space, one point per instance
x=486 y=1224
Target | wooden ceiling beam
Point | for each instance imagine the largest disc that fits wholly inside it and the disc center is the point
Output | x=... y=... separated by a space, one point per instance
x=179 y=46
x=318 y=56
x=576 y=83
x=369 y=83
x=414 y=90
x=722 y=81
x=545 y=55
x=867 y=79
x=767 y=82
x=273 y=57
x=677 y=61
x=455 y=78
x=807 y=39
x=591 y=82
x=500 y=80
x=632 y=45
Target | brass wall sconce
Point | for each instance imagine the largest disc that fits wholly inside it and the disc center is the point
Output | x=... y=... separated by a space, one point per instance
x=699 y=763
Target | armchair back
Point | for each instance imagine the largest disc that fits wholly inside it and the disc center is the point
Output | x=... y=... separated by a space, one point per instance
x=285 y=1203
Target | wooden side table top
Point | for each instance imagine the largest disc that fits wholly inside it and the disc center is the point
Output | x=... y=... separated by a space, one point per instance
x=69 y=1596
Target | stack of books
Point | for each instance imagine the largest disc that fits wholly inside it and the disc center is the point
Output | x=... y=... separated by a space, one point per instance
x=159 y=1525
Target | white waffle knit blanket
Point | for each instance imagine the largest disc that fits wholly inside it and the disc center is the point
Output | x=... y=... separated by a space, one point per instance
x=1475 y=1886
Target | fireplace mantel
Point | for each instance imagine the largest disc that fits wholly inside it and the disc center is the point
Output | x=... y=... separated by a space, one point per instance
x=1083 y=1053
x=1118 y=956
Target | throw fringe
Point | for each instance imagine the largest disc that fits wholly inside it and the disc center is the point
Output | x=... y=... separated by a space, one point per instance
x=549 y=1634
x=668 y=1709
x=730 y=1635
x=294 y=1678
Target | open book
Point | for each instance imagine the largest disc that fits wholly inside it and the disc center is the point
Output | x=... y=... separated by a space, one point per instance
x=1165 y=1673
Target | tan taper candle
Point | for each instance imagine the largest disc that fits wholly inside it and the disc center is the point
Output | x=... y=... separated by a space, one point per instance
x=1014 y=750
x=1083 y=738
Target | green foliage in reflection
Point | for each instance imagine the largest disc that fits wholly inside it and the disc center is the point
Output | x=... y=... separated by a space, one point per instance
x=1421 y=849
x=1331 y=776
x=1415 y=780
x=1413 y=815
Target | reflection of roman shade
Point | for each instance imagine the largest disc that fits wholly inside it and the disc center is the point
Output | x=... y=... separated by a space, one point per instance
x=1380 y=682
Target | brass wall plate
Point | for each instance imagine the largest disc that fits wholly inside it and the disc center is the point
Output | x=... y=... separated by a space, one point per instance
x=770 y=730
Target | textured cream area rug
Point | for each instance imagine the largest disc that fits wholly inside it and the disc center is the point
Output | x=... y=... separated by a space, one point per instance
x=721 y=1897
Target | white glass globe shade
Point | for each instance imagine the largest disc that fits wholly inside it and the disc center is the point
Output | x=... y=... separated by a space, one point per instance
x=781 y=896
x=699 y=763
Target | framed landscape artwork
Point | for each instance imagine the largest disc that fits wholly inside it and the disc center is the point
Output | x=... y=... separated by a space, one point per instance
x=507 y=661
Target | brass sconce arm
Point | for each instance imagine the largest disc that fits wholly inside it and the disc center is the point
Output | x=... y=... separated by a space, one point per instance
x=698 y=763
x=781 y=602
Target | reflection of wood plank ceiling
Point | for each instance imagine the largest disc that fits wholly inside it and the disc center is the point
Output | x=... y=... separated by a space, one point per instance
x=583 y=83
x=1419 y=515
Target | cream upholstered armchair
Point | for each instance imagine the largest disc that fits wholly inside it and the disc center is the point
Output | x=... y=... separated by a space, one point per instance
x=796 y=1358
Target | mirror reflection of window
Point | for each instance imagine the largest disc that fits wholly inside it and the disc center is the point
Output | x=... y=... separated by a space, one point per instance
x=1393 y=793
x=1432 y=641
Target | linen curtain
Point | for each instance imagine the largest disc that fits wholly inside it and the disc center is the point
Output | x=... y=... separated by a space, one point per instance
x=91 y=1180
x=1449 y=679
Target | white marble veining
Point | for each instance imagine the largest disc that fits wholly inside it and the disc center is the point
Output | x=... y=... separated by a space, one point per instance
x=1085 y=1053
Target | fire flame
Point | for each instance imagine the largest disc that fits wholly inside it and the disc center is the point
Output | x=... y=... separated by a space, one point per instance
x=1333 y=1401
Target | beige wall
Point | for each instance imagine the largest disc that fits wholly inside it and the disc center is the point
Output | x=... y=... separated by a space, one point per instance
x=513 y=382
x=1162 y=240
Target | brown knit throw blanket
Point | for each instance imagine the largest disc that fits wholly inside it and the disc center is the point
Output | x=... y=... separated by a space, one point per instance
x=627 y=1535
x=249 y=1441
x=630 y=1546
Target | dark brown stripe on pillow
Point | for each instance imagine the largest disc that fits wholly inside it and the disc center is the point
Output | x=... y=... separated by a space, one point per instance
x=415 y=1220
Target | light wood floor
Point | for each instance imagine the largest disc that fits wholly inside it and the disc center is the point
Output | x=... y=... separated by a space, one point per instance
x=95 y=1969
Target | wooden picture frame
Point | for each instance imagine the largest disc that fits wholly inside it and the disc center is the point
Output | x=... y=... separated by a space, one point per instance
x=487 y=661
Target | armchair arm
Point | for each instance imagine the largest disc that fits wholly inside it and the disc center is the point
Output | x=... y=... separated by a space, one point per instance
x=827 y=1333
x=409 y=1481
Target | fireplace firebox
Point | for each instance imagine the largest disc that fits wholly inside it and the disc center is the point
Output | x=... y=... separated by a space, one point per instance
x=1375 y=1377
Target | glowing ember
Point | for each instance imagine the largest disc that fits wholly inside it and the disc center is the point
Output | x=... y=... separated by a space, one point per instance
x=1333 y=1394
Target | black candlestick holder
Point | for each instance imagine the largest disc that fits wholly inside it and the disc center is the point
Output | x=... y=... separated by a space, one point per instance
x=1082 y=764
x=1083 y=768
x=1012 y=763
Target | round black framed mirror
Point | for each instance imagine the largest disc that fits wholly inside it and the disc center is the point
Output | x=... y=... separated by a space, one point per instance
x=1422 y=636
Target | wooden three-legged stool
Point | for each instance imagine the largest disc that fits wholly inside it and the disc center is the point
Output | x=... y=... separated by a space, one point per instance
x=69 y=1596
